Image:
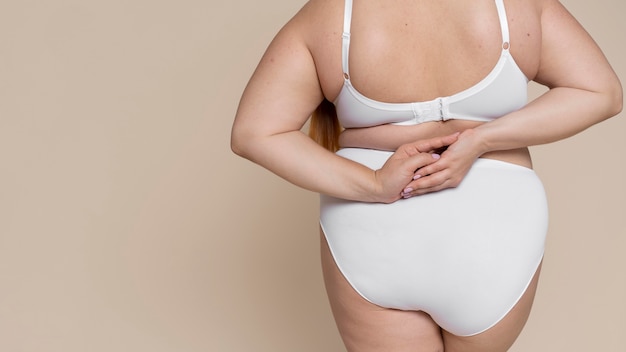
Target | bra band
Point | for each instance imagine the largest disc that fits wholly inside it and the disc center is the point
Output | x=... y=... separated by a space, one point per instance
x=347 y=19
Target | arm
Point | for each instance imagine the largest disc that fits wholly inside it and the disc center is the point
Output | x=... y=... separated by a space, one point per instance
x=583 y=90
x=572 y=66
x=278 y=100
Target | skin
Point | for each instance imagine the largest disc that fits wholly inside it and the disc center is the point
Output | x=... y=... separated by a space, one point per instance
x=439 y=54
x=552 y=49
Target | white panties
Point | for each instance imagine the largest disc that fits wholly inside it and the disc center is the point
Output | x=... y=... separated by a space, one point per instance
x=464 y=255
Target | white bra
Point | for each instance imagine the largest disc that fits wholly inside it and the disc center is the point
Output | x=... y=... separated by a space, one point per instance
x=502 y=91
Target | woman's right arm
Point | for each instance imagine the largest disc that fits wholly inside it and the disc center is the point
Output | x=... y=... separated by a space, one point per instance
x=279 y=98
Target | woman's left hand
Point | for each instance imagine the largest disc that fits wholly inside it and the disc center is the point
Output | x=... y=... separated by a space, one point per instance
x=449 y=170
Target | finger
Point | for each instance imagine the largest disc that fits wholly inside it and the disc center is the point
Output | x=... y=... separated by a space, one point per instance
x=435 y=186
x=409 y=149
x=425 y=183
x=431 y=184
x=428 y=145
x=423 y=191
x=427 y=170
x=409 y=165
x=431 y=169
x=421 y=160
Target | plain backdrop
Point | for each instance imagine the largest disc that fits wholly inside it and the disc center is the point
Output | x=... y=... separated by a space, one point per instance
x=126 y=223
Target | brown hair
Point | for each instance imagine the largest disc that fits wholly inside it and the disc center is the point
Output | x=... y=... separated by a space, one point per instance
x=324 y=127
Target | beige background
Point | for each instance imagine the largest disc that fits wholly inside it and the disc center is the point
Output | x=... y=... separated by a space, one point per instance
x=126 y=224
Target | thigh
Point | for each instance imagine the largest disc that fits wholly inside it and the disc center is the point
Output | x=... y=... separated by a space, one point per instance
x=501 y=336
x=366 y=327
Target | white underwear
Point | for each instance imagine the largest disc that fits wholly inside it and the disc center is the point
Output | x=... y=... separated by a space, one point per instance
x=464 y=255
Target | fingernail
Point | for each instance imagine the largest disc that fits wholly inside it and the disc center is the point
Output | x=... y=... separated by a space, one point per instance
x=436 y=156
x=407 y=190
x=417 y=176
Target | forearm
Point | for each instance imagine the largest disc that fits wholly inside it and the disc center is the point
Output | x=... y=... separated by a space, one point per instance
x=558 y=114
x=584 y=89
x=297 y=159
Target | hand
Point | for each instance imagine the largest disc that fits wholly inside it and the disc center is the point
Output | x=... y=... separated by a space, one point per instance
x=401 y=167
x=449 y=170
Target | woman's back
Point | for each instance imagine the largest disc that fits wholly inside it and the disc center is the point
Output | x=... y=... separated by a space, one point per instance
x=405 y=51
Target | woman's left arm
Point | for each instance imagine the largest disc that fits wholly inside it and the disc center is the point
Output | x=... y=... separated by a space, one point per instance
x=583 y=90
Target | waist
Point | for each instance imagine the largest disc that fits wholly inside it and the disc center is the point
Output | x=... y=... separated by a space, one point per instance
x=519 y=157
x=390 y=137
x=375 y=159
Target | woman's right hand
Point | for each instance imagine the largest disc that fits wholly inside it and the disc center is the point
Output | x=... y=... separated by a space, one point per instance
x=399 y=170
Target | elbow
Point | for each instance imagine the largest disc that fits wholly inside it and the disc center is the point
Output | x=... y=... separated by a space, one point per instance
x=615 y=99
x=238 y=143
x=618 y=100
x=246 y=142
x=234 y=145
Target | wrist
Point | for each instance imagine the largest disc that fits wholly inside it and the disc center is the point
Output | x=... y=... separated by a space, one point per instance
x=379 y=193
x=475 y=140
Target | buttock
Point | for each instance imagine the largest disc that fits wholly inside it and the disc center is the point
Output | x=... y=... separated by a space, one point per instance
x=464 y=255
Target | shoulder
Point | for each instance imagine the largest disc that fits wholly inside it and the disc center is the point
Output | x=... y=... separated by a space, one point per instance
x=553 y=11
x=289 y=70
x=315 y=18
x=317 y=27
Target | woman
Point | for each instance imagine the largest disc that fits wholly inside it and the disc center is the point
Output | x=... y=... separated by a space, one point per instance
x=438 y=245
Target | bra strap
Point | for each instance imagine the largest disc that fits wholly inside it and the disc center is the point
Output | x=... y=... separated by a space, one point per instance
x=504 y=24
x=345 y=41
